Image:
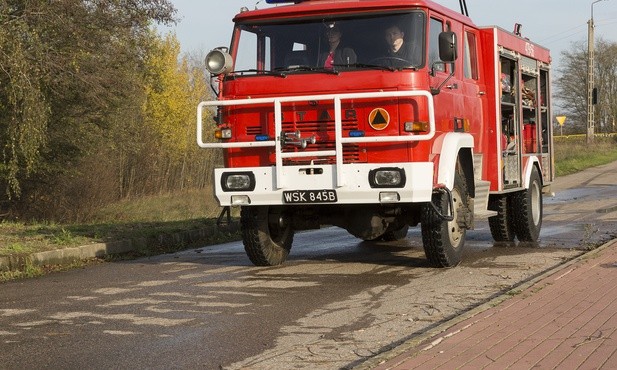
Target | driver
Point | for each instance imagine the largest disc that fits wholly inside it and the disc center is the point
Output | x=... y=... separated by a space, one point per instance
x=395 y=40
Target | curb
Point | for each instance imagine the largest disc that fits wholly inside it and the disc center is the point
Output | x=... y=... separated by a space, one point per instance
x=100 y=250
x=414 y=341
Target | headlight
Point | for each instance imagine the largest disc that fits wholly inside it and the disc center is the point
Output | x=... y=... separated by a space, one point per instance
x=239 y=181
x=218 y=61
x=387 y=178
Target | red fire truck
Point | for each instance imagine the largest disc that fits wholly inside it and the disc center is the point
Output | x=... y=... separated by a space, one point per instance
x=452 y=127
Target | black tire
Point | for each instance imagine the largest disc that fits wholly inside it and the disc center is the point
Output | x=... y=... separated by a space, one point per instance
x=444 y=240
x=266 y=241
x=527 y=209
x=394 y=235
x=502 y=225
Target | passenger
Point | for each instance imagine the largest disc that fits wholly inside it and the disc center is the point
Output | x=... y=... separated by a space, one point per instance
x=395 y=40
x=336 y=54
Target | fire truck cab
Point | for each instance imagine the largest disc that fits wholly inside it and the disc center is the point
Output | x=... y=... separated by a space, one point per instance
x=452 y=127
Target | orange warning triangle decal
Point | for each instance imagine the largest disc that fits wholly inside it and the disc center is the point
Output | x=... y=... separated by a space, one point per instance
x=379 y=119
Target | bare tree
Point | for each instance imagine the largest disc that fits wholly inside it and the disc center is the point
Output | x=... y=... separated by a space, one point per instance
x=571 y=85
x=606 y=83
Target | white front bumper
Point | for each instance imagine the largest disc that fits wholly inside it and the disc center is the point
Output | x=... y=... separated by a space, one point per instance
x=355 y=187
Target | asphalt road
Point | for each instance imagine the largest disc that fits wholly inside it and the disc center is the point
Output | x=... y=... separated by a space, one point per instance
x=335 y=303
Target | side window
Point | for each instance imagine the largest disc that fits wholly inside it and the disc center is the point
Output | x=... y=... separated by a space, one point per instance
x=264 y=53
x=254 y=52
x=246 y=57
x=436 y=27
x=470 y=63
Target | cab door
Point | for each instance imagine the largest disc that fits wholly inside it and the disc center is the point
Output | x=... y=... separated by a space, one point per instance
x=449 y=102
x=474 y=89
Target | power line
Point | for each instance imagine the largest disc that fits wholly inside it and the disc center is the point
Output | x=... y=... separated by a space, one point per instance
x=580 y=29
x=562 y=36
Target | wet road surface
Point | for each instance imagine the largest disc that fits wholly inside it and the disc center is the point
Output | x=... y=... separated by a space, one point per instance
x=335 y=303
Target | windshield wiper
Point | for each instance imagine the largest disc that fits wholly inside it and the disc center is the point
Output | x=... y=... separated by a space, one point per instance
x=306 y=68
x=378 y=67
x=371 y=66
x=259 y=72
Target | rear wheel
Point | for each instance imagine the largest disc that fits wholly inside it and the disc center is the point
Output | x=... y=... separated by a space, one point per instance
x=501 y=225
x=444 y=240
x=267 y=234
x=527 y=209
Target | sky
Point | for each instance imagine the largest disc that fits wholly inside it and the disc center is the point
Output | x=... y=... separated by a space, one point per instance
x=555 y=24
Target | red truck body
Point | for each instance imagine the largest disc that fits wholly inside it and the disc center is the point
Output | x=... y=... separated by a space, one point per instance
x=456 y=130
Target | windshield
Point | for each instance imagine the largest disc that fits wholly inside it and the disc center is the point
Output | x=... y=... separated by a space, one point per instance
x=391 y=41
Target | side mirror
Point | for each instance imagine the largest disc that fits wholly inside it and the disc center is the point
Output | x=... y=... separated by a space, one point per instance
x=447 y=47
x=218 y=61
x=447 y=54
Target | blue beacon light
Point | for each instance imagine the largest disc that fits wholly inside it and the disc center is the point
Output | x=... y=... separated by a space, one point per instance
x=356 y=133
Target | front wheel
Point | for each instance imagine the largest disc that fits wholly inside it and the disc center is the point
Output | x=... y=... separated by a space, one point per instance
x=444 y=240
x=267 y=234
x=527 y=209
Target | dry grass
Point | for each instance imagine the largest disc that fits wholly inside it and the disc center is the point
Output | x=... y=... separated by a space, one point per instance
x=573 y=154
x=191 y=204
x=144 y=217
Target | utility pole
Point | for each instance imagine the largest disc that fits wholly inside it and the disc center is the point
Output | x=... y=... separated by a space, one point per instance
x=590 y=110
x=590 y=82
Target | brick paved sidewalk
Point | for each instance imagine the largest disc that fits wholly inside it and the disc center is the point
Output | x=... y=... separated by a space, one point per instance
x=567 y=320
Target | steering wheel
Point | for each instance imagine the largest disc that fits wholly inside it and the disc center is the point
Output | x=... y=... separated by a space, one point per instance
x=391 y=60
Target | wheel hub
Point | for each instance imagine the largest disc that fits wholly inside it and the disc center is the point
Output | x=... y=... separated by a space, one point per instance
x=456 y=227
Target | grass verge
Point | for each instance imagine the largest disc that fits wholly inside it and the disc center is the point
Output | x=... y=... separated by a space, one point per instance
x=573 y=154
x=147 y=219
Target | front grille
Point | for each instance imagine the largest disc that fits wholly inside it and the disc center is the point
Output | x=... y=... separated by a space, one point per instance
x=253 y=130
x=324 y=133
x=351 y=154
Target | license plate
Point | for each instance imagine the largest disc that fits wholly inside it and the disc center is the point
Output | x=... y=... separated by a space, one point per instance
x=309 y=196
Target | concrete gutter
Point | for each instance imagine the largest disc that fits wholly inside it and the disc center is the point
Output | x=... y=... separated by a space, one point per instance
x=100 y=250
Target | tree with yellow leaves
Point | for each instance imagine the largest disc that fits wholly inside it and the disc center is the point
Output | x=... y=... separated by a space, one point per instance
x=174 y=87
